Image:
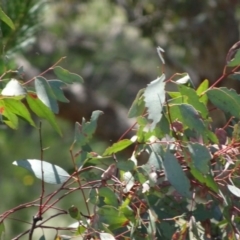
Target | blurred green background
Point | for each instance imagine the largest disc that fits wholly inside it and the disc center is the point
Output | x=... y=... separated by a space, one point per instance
x=112 y=45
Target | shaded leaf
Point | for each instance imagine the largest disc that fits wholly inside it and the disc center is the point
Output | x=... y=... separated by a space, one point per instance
x=41 y=110
x=235 y=61
x=74 y=212
x=42 y=238
x=175 y=175
x=200 y=157
x=154 y=97
x=138 y=105
x=56 y=86
x=116 y=147
x=84 y=132
x=234 y=190
x=45 y=94
x=67 y=76
x=126 y=165
x=52 y=174
x=225 y=99
x=14 y=88
x=2 y=230
x=4 y=17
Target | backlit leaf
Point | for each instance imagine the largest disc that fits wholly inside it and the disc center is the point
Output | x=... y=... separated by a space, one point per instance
x=52 y=174
x=116 y=147
x=66 y=76
x=4 y=17
x=154 y=97
x=41 y=110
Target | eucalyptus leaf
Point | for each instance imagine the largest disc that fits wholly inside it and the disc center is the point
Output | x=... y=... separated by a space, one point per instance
x=66 y=76
x=4 y=17
x=14 y=88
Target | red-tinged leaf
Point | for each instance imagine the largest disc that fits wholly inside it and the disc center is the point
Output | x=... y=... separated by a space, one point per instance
x=41 y=110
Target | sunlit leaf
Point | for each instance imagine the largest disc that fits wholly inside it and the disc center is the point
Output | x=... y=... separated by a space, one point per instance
x=106 y=236
x=4 y=17
x=175 y=175
x=234 y=190
x=202 y=88
x=45 y=94
x=41 y=110
x=225 y=99
x=17 y=107
x=11 y=118
x=66 y=76
x=51 y=173
x=154 y=97
x=116 y=147
x=13 y=89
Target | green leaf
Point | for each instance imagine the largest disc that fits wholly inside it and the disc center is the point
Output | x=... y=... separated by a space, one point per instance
x=175 y=175
x=116 y=147
x=208 y=180
x=201 y=89
x=42 y=238
x=234 y=190
x=14 y=89
x=154 y=97
x=12 y=120
x=112 y=216
x=17 y=107
x=2 y=230
x=154 y=163
x=235 y=61
x=193 y=99
x=200 y=157
x=138 y=106
x=225 y=99
x=45 y=94
x=106 y=236
x=67 y=76
x=56 y=86
x=52 y=174
x=188 y=115
x=110 y=197
x=126 y=165
x=84 y=132
x=41 y=110
x=74 y=213
x=4 y=17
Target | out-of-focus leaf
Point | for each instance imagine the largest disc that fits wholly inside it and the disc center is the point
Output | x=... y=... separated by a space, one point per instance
x=45 y=94
x=126 y=165
x=110 y=197
x=42 y=238
x=41 y=110
x=17 y=107
x=56 y=86
x=2 y=230
x=74 y=212
x=138 y=105
x=14 y=89
x=116 y=147
x=112 y=216
x=84 y=132
x=66 y=76
x=202 y=88
x=193 y=99
x=12 y=120
x=106 y=236
x=154 y=97
x=225 y=99
x=235 y=61
x=128 y=180
x=200 y=157
x=52 y=174
x=175 y=175
x=184 y=78
x=234 y=190
x=4 y=17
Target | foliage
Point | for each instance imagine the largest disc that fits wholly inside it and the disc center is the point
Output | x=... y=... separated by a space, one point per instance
x=181 y=181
